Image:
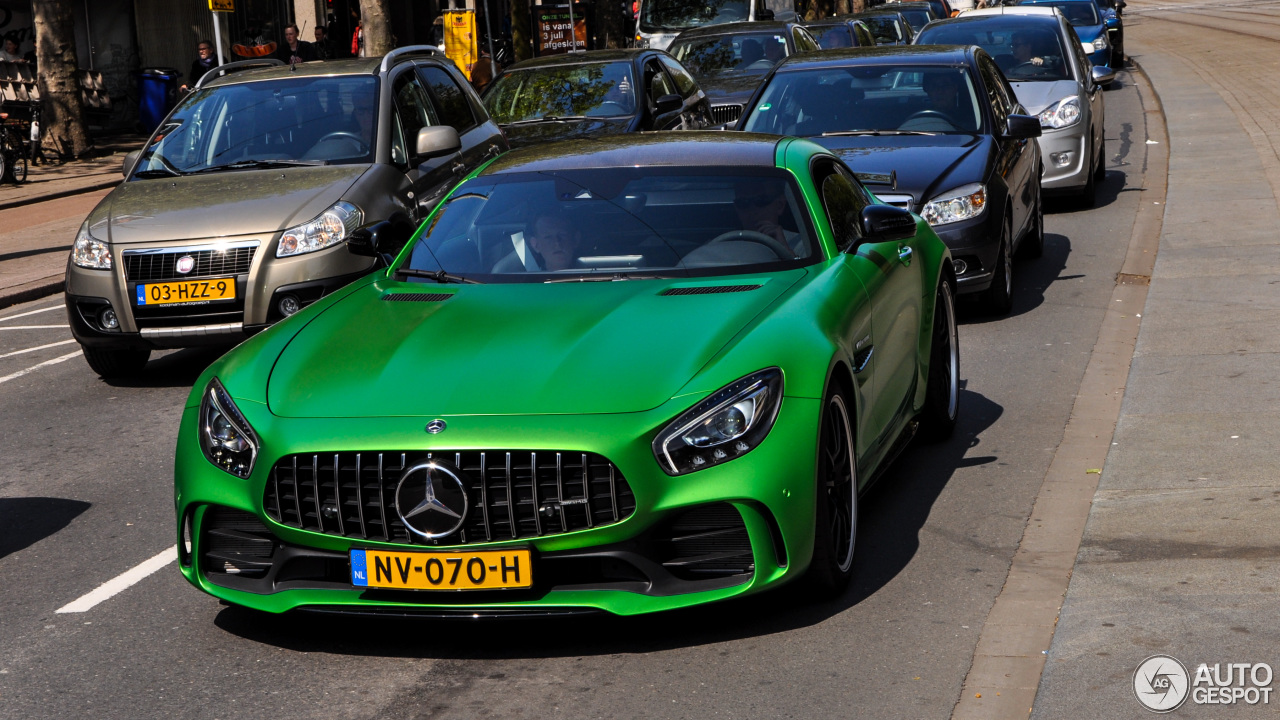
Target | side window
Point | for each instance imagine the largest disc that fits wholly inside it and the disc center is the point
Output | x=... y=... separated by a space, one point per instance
x=684 y=81
x=1001 y=104
x=803 y=41
x=660 y=84
x=413 y=112
x=451 y=101
x=843 y=203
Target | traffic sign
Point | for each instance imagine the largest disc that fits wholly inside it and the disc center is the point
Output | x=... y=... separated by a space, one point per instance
x=222 y=5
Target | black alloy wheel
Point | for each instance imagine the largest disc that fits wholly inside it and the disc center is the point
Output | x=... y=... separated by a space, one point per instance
x=116 y=362
x=942 y=398
x=836 y=518
x=999 y=297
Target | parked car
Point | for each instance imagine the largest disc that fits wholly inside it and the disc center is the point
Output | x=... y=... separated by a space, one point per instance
x=841 y=33
x=602 y=92
x=918 y=13
x=659 y=21
x=1087 y=21
x=595 y=358
x=233 y=217
x=1063 y=88
x=887 y=25
x=729 y=60
x=934 y=130
x=1111 y=12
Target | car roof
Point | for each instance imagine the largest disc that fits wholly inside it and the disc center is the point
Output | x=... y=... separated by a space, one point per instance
x=909 y=5
x=353 y=66
x=1015 y=20
x=735 y=28
x=904 y=54
x=1011 y=10
x=881 y=10
x=577 y=58
x=694 y=148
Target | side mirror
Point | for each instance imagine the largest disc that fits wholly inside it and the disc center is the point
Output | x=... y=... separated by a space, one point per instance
x=1023 y=127
x=668 y=103
x=1102 y=74
x=886 y=223
x=381 y=239
x=129 y=161
x=437 y=141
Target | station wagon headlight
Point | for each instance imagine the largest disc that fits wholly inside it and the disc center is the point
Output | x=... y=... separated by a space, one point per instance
x=89 y=252
x=332 y=227
x=225 y=436
x=726 y=425
x=963 y=203
x=1064 y=113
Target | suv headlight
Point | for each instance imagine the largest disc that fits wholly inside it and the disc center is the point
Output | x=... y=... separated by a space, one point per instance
x=728 y=424
x=332 y=227
x=89 y=252
x=962 y=203
x=1061 y=114
x=1099 y=43
x=225 y=436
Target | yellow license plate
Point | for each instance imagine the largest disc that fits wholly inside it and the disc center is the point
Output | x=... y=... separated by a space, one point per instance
x=187 y=291
x=488 y=570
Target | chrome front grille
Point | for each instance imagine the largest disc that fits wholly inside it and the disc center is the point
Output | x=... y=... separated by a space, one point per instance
x=512 y=494
x=722 y=114
x=158 y=264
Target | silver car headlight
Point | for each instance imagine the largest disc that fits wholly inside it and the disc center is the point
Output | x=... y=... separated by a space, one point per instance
x=727 y=425
x=332 y=227
x=1099 y=43
x=962 y=203
x=226 y=437
x=90 y=252
x=1064 y=113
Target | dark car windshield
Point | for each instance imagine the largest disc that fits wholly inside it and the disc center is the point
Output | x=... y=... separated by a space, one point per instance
x=591 y=89
x=832 y=36
x=738 y=54
x=1081 y=13
x=1024 y=51
x=316 y=120
x=885 y=28
x=918 y=18
x=868 y=98
x=617 y=223
x=659 y=15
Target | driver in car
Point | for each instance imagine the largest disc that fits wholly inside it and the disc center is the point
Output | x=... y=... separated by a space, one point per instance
x=943 y=89
x=761 y=205
x=554 y=241
x=1023 y=45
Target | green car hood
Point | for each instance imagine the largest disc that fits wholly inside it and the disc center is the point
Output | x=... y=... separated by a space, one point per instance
x=224 y=204
x=512 y=349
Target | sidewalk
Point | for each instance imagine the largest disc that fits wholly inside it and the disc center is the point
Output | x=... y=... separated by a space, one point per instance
x=45 y=182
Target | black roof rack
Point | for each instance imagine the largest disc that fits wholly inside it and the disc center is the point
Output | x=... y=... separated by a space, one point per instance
x=238 y=65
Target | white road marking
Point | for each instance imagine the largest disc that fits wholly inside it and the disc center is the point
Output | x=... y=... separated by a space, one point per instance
x=33 y=368
x=120 y=583
x=38 y=347
x=33 y=312
x=31 y=327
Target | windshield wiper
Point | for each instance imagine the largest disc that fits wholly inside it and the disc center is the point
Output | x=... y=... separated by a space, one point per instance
x=549 y=118
x=439 y=276
x=156 y=172
x=876 y=132
x=610 y=277
x=261 y=165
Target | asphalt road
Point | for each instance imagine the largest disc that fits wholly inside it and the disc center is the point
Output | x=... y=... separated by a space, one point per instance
x=86 y=495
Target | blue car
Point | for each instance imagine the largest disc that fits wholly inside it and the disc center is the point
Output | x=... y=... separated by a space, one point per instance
x=1090 y=25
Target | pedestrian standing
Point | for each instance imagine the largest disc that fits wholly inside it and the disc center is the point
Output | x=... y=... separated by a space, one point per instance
x=482 y=71
x=204 y=62
x=294 y=50
x=357 y=37
x=322 y=47
x=35 y=154
x=10 y=51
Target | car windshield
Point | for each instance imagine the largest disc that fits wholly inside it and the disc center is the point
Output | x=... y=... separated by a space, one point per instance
x=590 y=89
x=918 y=18
x=1025 y=52
x=884 y=28
x=1081 y=13
x=660 y=15
x=832 y=36
x=616 y=223
x=868 y=99
x=310 y=121
x=739 y=54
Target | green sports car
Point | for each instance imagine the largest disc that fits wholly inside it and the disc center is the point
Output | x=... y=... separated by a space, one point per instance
x=628 y=374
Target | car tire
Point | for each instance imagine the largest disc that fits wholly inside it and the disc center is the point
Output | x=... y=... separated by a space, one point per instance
x=116 y=362
x=998 y=298
x=942 y=396
x=1100 y=172
x=835 y=524
x=1089 y=195
x=1032 y=246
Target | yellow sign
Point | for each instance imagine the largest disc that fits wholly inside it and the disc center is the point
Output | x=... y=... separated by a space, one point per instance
x=222 y=5
x=460 y=39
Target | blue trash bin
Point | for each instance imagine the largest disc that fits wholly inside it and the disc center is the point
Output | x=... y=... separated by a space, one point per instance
x=157 y=94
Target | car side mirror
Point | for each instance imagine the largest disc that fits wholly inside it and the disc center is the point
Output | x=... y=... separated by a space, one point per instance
x=1102 y=75
x=381 y=239
x=1023 y=127
x=129 y=160
x=886 y=223
x=668 y=103
x=437 y=141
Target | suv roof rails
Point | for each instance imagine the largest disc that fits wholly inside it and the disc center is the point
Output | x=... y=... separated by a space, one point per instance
x=401 y=53
x=238 y=65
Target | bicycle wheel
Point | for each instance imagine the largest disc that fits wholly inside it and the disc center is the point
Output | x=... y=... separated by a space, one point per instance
x=4 y=162
x=19 y=169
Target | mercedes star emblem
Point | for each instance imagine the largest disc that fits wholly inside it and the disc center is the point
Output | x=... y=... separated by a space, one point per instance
x=432 y=500
x=436 y=426
x=184 y=265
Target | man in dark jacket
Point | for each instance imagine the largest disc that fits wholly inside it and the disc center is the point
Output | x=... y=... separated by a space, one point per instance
x=294 y=50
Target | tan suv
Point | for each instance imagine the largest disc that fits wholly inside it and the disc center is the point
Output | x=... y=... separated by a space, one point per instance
x=234 y=216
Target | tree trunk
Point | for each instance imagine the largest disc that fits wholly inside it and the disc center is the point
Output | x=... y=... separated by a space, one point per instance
x=375 y=18
x=818 y=9
x=61 y=110
x=521 y=41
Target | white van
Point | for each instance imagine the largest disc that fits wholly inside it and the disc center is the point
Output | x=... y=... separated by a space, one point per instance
x=661 y=20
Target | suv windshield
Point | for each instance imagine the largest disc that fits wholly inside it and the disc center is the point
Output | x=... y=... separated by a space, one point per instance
x=868 y=99
x=740 y=54
x=660 y=15
x=616 y=223
x=1081 y=13
x=1024 y=51
x=309 y=121
x=591 y=89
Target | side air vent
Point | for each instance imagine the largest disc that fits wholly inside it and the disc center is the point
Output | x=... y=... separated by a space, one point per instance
x=709 y=289
x=417 y=297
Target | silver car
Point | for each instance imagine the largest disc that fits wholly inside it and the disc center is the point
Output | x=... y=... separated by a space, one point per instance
x=1039 y=53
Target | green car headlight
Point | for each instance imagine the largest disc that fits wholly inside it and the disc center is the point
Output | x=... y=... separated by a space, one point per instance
x=226 y=437
x=728 y=424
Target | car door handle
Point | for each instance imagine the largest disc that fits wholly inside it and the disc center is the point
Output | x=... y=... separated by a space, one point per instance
x=904 y=254
x=459 y=168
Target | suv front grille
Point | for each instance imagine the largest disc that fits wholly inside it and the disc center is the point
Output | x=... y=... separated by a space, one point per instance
x=721 y=114
x=150 y=266
x=353 y=494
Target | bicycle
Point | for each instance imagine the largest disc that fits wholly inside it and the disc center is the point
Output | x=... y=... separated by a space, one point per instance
x=13 y=152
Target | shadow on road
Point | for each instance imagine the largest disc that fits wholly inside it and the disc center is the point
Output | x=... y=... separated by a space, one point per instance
x=26 y=521
x=892 y=516
x=176 y=369
x=1030 y=280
